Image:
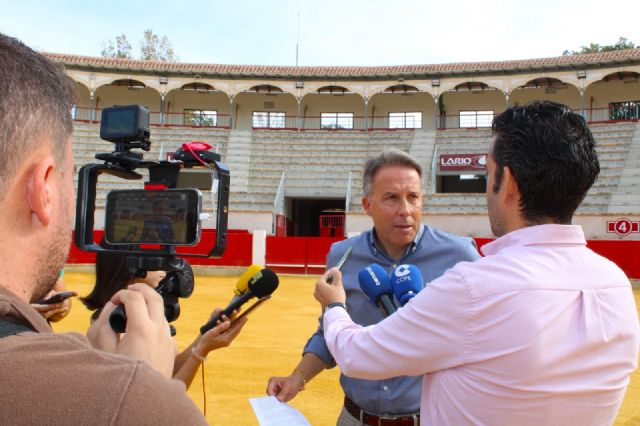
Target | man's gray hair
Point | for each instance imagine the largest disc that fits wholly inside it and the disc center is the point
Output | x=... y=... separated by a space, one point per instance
x=36 y=97
x=389 y=157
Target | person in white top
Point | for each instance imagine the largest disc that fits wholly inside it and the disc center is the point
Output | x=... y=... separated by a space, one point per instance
x=541 y=331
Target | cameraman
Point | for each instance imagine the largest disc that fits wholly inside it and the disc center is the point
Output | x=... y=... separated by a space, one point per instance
x=113 y=381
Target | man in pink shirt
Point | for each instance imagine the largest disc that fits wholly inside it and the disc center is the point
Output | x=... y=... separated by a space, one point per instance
x=541 y=331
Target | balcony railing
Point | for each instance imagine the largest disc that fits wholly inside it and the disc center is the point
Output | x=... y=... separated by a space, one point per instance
x=359 y=123
x=592 y=115
x=173 y=119
x=614 y=113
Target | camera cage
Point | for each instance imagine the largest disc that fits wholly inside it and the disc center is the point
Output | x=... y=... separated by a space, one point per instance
x=162 y=174
x=133 y=132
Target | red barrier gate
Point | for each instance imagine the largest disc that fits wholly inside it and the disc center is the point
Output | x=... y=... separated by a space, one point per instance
x=299 y=255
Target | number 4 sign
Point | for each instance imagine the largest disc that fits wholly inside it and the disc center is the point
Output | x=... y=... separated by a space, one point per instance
x=623 y=226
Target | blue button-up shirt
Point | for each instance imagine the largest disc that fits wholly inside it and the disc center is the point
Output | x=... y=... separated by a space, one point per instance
x=433 y=252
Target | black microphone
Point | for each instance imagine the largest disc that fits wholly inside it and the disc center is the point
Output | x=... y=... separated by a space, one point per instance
x=262 y=284
x=376 y=284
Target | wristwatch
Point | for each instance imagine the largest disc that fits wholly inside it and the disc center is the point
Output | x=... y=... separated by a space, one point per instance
x=336 y=305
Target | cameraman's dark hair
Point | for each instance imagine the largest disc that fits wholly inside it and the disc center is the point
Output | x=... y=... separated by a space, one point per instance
x=389 y=157
x=551 y=153
x=112 y=275
x=36 y=98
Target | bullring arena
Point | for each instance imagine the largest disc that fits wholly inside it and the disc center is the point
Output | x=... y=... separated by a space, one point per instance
x=295 y=140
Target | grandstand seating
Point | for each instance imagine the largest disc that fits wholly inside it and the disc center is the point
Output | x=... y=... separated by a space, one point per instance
x=317 y=163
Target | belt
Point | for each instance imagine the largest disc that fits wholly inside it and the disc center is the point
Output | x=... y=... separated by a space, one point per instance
x=375 y=420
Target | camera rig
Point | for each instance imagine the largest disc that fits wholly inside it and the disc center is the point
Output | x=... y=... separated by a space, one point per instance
x=128 y=128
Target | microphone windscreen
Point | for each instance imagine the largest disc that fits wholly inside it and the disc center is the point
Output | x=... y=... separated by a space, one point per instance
x=406 y=281
x=374 y=282
x=263 y=283
x=243 y=280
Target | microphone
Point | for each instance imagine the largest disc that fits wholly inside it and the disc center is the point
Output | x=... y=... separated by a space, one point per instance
x=406 y=281
x=376 y=284
x=243 y=281
x=260 y=285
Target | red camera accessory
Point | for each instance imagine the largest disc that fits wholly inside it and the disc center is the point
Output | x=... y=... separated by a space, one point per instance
x=196 y=152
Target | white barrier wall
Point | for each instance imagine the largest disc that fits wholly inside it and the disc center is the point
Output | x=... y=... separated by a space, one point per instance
x=258 y=257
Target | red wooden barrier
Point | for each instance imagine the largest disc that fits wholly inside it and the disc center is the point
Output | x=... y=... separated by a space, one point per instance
x=625 y=254
x=238 y=252
x=301 y=255
x=306 y=255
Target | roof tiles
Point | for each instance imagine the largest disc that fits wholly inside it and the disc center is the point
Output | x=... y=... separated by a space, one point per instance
x=570 y=61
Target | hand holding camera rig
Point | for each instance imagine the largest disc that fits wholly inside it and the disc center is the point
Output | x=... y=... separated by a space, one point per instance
x=166 y=214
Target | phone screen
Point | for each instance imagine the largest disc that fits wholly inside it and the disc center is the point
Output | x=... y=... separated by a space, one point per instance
x=58 y=297
x=167 y=217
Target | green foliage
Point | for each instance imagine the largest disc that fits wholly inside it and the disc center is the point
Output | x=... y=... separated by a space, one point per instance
x=152 y=48
x=118 y=49
x=622 y=44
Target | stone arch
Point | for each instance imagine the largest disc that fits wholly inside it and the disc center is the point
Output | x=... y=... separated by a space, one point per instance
x=470 y=103
x=126 y=92
x=547 y=89
x=82 y=108
x=347 y=105
x=616 y=96
x=401 y=106
x=196 y=103
x=264 y=106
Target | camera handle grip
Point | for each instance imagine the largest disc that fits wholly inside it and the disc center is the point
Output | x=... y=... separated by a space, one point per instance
x=118 y=319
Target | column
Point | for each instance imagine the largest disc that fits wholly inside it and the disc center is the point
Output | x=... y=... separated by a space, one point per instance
x=162 y=106
x=366 y=113
x=92 y=105
x=231 y=98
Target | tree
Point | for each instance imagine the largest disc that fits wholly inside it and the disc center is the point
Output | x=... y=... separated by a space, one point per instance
x=120 y=49
x=152 y=48
x=622 y=44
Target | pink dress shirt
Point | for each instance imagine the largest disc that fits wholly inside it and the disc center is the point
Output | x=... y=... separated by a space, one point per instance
x=541 y=331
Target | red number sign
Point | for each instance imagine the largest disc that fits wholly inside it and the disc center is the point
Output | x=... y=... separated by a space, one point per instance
x=623 y=226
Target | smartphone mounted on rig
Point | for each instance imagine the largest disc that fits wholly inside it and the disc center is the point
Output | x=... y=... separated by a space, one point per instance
x=150 y=224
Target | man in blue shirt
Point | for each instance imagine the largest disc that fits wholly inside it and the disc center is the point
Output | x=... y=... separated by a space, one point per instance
x=392 y=188
x=158 y=228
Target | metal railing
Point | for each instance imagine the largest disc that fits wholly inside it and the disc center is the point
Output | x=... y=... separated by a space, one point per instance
x=174 y=119
x=316 y=122
x=288 y=122
x=347 y=203
x=614 y=113
x=278 y=202
x=592 y=115
x=469 y=120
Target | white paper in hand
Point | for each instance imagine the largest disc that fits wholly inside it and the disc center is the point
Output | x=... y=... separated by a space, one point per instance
x=271 y=412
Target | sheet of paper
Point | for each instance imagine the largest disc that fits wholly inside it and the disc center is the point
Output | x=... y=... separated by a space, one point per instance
x=271 y=412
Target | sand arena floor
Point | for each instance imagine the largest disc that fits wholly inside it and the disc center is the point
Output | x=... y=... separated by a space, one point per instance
x=270 y=344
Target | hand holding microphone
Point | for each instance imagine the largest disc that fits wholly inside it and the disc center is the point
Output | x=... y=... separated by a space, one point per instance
x=375 y=283
x=260 y=285
x=406 y=281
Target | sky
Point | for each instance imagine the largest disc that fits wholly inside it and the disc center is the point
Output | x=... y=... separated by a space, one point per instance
x=330 y=32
